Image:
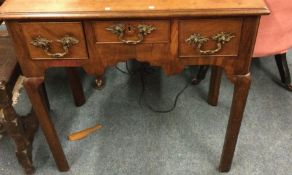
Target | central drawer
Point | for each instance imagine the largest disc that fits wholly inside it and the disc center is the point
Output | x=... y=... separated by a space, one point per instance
x=144 y=40
x=132 y=31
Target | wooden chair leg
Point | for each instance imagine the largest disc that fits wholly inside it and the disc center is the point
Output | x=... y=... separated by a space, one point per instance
x=283 y=68
x=214 y=87
x=30 y=124
x=201 y=75
x=241 y=89
x=33 y=88
x=15 y=128
x=2 y=129
x=76 y=86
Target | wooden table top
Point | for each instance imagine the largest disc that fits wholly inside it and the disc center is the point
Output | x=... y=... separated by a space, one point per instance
x=15 y=9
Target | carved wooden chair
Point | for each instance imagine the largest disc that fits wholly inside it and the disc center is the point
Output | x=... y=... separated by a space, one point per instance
x=20 y=129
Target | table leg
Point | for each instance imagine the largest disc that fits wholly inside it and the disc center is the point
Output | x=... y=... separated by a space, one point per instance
x=214 y=87
x=76 y=86
x=241 y=89
x=201 y=74
x=33 y=88
x=46 y=99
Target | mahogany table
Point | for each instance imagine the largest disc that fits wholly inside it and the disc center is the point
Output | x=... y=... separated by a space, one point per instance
x=171 y=34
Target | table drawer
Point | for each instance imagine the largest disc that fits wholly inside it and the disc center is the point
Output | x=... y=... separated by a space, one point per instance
x=205 y=37
x=55 y=40
x=132 y=32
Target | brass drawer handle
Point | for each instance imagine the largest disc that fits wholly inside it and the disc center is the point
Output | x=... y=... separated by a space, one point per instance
x=45 y=45
x=121 y=29
x=198 y=40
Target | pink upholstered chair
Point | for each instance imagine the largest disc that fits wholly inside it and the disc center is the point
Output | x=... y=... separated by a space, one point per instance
x=274 y=38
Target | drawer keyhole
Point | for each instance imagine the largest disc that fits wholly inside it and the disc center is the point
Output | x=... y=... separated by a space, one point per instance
x=130 y=30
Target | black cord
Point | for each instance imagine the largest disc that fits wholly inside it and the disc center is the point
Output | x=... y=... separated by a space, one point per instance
x=143 y=70
x=151 y=107
x=129 y=72
x=119 y=69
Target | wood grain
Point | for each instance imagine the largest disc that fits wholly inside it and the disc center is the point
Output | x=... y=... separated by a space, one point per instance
x=124 y=8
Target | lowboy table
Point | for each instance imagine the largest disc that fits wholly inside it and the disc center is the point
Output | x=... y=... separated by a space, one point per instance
x=96 y=34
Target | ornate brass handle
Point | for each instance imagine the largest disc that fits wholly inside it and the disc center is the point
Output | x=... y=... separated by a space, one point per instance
x=121 y=29
x=45 y=45
x=198 y=40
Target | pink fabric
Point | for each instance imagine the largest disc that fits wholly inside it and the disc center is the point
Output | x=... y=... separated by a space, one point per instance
x=275 y=31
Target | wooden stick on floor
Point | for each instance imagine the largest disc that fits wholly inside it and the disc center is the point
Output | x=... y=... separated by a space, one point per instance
x=83 y=133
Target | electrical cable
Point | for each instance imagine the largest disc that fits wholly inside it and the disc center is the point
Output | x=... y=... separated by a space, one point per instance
x=151 y=107
x=128 y=70
x=119 y=69
x=143 y=70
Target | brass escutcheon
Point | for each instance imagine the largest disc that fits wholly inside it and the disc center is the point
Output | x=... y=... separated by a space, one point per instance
x=120 y=29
